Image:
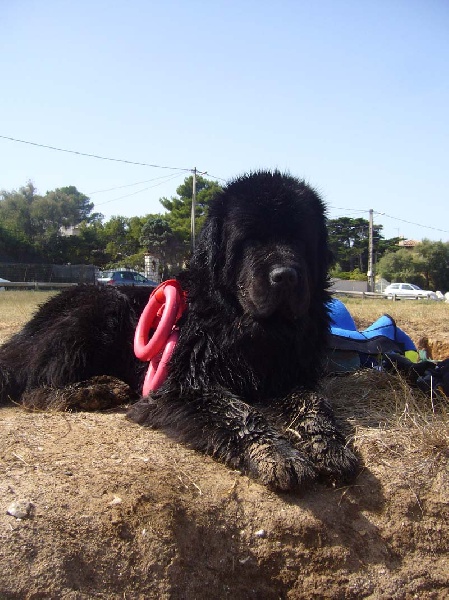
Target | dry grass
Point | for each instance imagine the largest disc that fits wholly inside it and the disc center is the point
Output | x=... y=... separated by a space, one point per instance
x=416 y=318
x=386 y=417
x=16 y=307
x=371 y=398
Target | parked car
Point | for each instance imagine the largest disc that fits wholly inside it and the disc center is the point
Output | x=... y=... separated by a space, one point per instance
x=2 y=289
x=408 y=291
x=125 y=278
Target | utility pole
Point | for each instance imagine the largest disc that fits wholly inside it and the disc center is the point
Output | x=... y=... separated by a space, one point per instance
x=370 y=253
x=192 y=216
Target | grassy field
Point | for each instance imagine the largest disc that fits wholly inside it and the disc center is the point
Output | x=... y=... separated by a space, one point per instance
x=16 y=307
x=416 y=318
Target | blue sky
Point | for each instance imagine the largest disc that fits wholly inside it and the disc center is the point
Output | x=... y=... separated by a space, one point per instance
x=351 y=95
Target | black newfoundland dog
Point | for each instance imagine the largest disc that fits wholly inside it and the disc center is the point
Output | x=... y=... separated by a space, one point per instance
x=243 y=377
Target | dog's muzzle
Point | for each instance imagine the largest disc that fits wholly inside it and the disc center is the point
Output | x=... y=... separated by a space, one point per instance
x=283 y=277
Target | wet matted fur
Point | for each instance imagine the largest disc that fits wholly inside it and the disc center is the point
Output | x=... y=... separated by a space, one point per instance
x=243 y=377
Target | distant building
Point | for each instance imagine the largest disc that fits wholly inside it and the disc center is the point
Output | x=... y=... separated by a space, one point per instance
x=408 y=243
x=70 y=230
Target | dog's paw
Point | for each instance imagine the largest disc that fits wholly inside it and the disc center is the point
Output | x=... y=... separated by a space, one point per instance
x=278 y=465
x=142 y=411
x=332 y=458
x=97 y=393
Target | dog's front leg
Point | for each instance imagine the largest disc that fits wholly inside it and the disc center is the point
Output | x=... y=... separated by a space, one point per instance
x=307 y=419
x=223 y=426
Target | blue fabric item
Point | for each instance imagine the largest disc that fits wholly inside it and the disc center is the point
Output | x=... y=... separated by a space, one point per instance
x=341 y=318
x=380 y=337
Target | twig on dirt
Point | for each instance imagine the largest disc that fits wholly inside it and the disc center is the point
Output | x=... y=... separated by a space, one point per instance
x=345 y=490
x=231 y=490
x=189 y=478
x=417 y=498
x=21 y=458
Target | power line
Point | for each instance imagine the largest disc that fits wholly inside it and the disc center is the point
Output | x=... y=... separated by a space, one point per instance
x=120 y=187
x=355 y=210
x=129 y=162
x=139 y=191
x=412 y=223
x=215 y=177
x=390 y=217
x=166 y=179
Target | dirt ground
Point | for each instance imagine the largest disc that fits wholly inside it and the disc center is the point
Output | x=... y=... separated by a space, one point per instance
x=103 y=508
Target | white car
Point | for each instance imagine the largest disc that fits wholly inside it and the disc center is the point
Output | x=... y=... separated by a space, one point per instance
x=408 y=291
x=2 y=289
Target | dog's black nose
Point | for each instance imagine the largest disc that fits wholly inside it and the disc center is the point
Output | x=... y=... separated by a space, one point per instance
x=284 y=277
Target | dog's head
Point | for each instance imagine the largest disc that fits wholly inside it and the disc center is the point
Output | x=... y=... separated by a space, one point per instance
x=264 y=245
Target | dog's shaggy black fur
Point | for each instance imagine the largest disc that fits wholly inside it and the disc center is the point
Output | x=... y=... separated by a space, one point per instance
x=243 y=376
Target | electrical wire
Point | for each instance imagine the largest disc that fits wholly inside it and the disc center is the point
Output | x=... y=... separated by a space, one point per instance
x=376 y=212
x=119 y=187
x=355 y=210
x=215 y=177
x=129 y=162
x=412 y=223
x=138 y=192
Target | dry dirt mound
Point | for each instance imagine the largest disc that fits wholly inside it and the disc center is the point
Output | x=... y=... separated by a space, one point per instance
x=119 y=511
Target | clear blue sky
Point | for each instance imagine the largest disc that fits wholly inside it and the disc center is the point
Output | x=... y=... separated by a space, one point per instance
x=351 y=95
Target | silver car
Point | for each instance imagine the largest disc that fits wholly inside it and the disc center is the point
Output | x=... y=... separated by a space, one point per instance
x=408 y=291
x=125 y=278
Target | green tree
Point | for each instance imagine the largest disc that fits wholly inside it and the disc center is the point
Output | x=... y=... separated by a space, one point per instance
x=46 y=217
x=135 y=225
x=88 y=247
x=15 y=212
x=161 y=241
x=36 y=221
x=349 y=242
x=435 y=257
x=402 y=265
x=348 y=239
x=179 y=208
x=73 y=206
x=427 y=265
x=382 y=246
x=14 y=248
x=115 y=238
